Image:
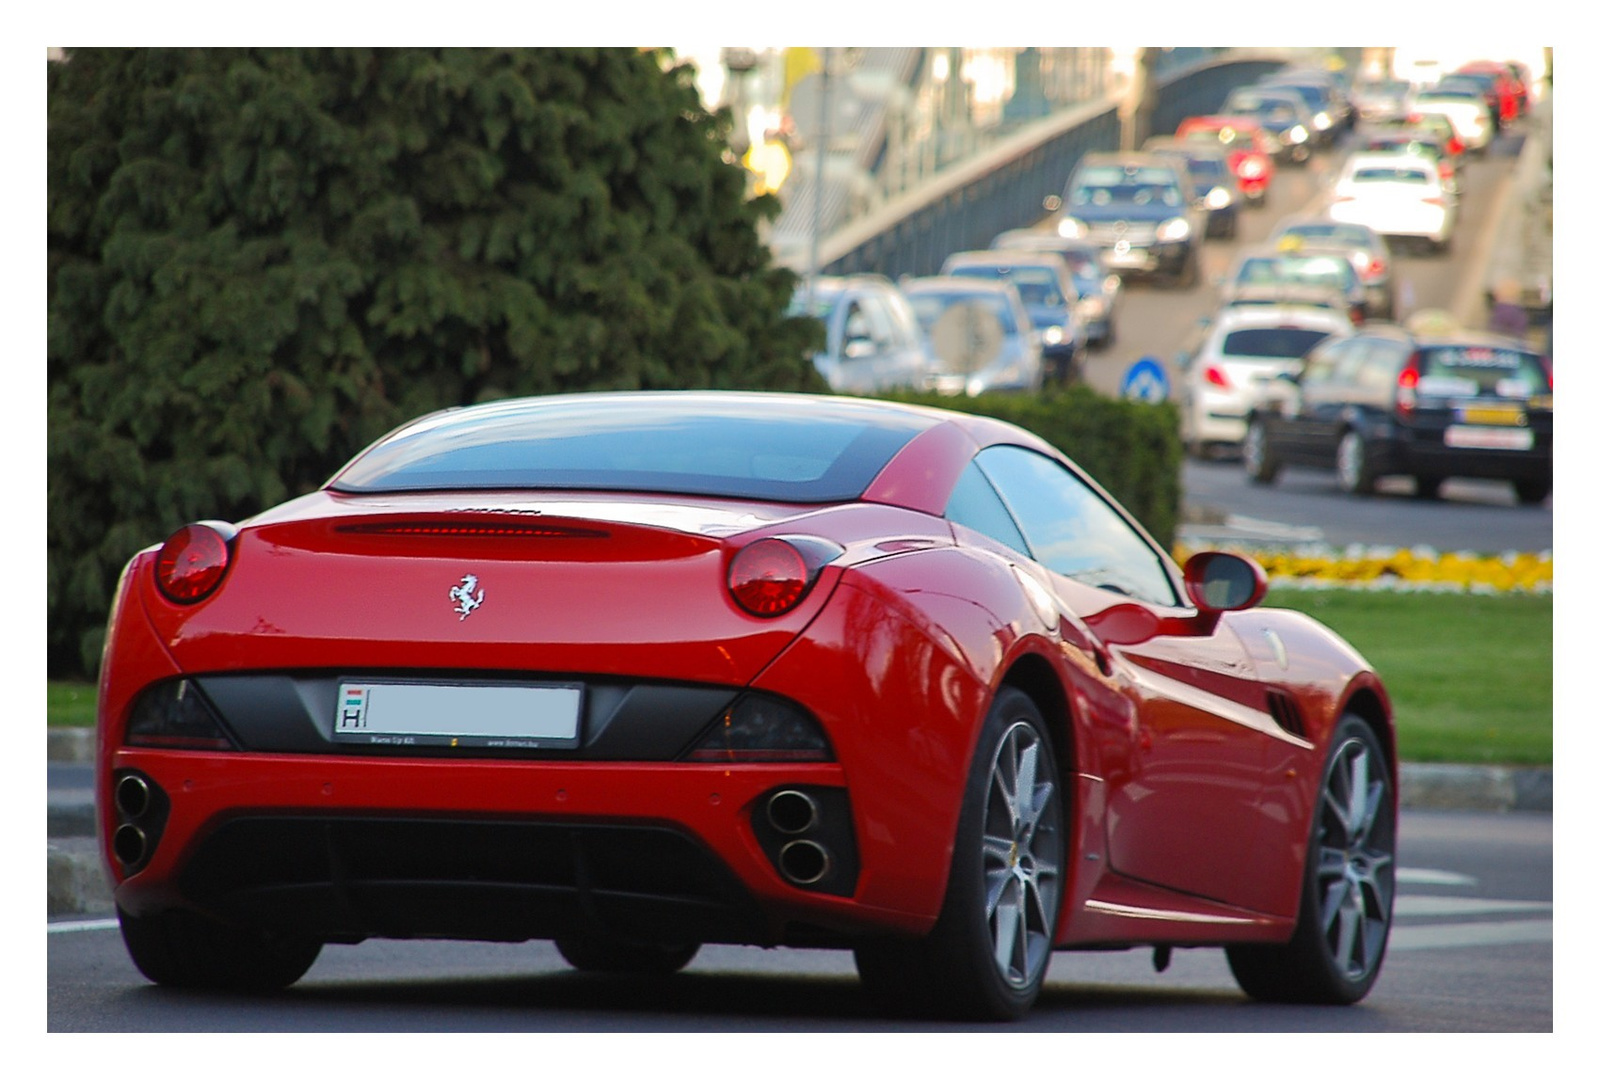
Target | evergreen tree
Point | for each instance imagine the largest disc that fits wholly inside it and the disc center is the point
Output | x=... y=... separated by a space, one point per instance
x=261 y=260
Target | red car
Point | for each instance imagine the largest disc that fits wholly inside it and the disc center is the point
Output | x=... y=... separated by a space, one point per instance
x=635 y=672
x=1251 y=150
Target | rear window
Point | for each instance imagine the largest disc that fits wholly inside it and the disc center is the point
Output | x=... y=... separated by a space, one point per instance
x=1393 y=175
x=736 y=446
x=1273 y=342
x=1462 y=370
x=1036 y=284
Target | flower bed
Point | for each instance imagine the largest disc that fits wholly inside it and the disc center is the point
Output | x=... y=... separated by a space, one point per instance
x=1417 y=568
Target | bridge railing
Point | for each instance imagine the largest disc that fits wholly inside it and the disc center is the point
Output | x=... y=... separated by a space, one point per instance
x=1004 y=187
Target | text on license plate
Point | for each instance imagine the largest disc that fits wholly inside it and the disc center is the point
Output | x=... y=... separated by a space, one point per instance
x=418 y=714
x=1488 y=438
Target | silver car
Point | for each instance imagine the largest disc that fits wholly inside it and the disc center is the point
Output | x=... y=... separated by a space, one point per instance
x=874 y=342
x=980 y=334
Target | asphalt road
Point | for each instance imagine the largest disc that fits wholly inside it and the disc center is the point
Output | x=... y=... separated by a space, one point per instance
x=1472 y=950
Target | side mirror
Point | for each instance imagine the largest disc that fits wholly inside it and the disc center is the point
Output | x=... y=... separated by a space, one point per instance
x=856 y=348
x=1219 y=581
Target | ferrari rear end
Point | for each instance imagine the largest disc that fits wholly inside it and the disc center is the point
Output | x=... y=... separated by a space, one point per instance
x=428 y=702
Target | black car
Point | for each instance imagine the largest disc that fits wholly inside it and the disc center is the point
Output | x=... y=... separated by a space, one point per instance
x=1388 y=402
x=1213 y=180
x=1280 y=111
x=1141 y=210
x=1098 y=289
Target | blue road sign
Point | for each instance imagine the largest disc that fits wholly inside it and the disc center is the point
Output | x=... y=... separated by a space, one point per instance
x=1146 y=380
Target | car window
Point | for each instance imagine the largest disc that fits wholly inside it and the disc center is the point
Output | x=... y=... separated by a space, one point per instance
x=1462 y=370
x=930 y=305
x=1071 y=529
x=975 y=504
x=1279 y=342
x=1036 y=284
x=1324 y=361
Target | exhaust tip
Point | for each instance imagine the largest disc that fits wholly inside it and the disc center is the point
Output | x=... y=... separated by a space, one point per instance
x=129 y=844
x=791 y=812
x=133 y=796
x=804 y=862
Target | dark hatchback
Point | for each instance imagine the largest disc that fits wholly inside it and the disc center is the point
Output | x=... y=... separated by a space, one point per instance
x=1386 y=402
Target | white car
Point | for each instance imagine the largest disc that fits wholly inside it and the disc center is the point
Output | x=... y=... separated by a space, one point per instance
x=1399 y=195
x=1466 y=112
x=1242 y=351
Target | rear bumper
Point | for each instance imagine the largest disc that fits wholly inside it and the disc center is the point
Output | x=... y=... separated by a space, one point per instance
x=343 y=849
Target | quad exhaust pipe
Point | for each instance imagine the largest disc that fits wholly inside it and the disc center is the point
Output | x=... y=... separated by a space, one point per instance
x=804 y=862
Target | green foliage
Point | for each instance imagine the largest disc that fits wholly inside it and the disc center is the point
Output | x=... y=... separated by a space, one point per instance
x=262 y=260
x=1131 y=447
x=1471 y=676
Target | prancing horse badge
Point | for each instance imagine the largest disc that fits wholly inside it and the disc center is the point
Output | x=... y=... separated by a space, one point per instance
x=466 y=602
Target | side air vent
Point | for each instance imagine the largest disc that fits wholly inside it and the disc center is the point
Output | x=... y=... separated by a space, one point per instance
x=1286 y=712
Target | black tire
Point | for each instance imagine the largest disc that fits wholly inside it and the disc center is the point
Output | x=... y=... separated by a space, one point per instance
x=1531 y=492
x=1007 y=847
x=1354 y=465
x=1347 y=896
x=181 y=948
x=613 y=957
x=1261 y=465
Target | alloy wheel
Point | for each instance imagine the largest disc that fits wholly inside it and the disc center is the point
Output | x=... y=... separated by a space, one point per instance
x=1022 y=848
x=1355 y=861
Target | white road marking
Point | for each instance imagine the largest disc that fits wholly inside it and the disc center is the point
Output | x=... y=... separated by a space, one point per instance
x=1456 y=935
x=1424 y=906
x=1407 y=875
x=81 y=924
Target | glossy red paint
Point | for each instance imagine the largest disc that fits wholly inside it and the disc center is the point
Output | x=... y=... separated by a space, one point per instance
x=1188 y=801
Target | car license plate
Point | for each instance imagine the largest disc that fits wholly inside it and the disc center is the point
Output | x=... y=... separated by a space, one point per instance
x=474 y=715
x=1509 y=415
x=1488 y=438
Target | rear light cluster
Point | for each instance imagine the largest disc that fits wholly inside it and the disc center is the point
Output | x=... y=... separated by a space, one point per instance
x=194 y=560
x=760 y=727
x=174 y=715
x=1405 y=396
x=771 y=576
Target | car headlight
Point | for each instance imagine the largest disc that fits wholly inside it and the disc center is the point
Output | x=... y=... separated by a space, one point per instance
x=1219 y=198
x=1173 y=230
x=1072 y=228
x=1054 y=335
x=1296 y=134
x=1322 y=121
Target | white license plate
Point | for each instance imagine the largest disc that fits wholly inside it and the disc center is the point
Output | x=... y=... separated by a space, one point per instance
x=460 y=715
x=1488 y=438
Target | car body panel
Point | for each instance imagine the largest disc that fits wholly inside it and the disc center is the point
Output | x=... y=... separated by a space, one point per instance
x=1163 y=712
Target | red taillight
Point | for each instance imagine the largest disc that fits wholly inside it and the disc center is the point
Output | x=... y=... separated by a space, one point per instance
x=192 y=562
x=1250 y=168
x=1405 y=397
x=1217 y=377
x=769 y=577
x=1375 y=268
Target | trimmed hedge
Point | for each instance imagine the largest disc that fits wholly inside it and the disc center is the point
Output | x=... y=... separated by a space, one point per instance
x=1131 y=447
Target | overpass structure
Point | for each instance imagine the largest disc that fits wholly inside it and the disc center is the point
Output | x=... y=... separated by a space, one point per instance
x=853 y=222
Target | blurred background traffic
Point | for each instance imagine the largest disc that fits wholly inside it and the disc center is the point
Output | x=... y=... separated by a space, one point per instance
x=1192 y=225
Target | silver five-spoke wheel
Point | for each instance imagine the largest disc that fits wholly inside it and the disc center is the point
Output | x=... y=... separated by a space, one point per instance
x=1021 y=856
x=1355 y=866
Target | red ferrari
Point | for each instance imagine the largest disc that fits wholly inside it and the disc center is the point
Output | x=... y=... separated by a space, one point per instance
x=636 y=672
